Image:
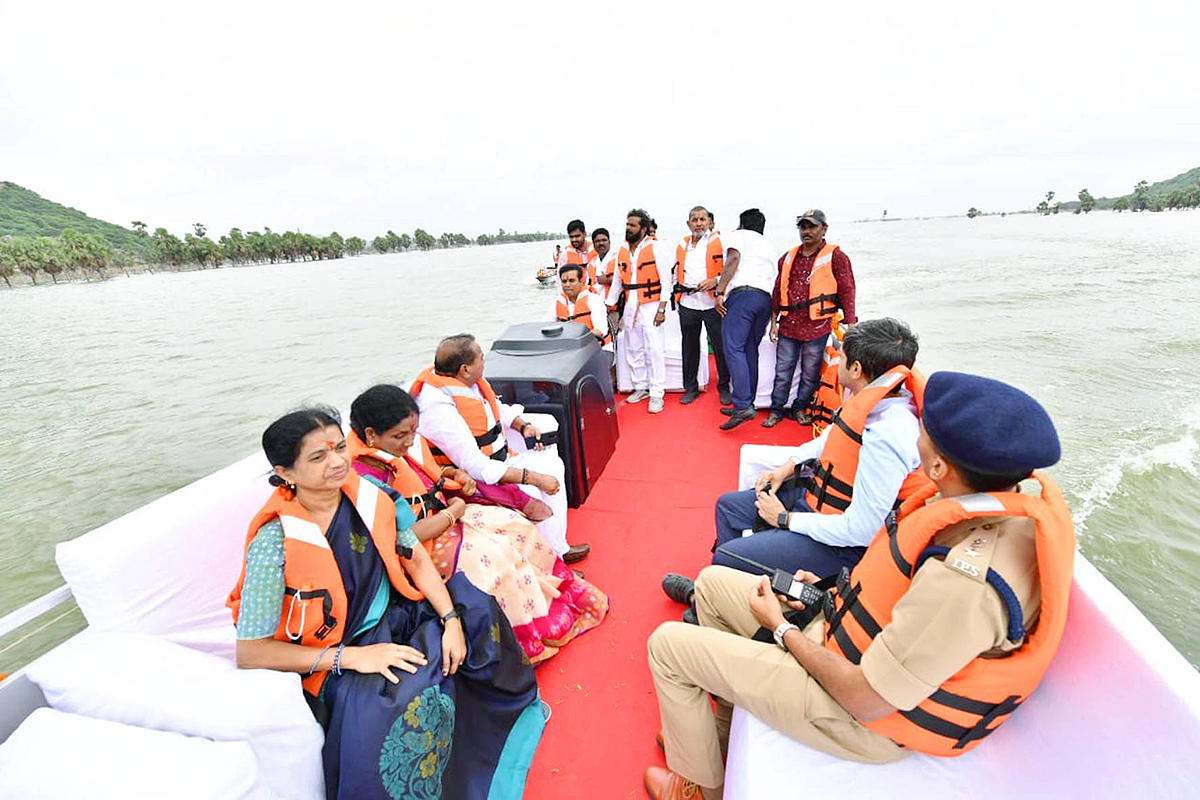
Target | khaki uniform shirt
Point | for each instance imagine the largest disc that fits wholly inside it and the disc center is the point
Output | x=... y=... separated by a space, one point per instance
x=950 y=614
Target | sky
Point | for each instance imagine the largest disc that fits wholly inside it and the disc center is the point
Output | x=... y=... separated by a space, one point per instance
x=469 y=117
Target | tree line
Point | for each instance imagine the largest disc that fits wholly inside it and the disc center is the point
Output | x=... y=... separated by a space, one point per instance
x=90 y=255
x=1144 y=197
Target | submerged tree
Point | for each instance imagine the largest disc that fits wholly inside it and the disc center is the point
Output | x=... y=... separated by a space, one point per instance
x=1086 y=201
x=973 y=212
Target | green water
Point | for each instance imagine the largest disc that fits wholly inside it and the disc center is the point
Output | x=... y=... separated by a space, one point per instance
x=114 y=394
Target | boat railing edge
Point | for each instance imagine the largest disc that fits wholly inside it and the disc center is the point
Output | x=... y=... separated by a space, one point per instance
x=34 y=609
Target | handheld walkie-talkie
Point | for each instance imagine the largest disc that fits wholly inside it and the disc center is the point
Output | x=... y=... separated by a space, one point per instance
x=784 y=583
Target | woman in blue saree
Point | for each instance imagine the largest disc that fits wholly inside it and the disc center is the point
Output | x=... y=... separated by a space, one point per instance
x=337 y=588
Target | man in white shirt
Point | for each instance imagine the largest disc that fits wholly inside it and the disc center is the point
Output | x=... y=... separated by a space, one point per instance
x=575 y=304
x=743 y=299
x=698 y=261
x=643 y=338
x=823 y=543
x=454 y=385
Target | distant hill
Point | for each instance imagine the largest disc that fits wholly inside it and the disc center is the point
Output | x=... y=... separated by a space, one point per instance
x=26 y=213
x=1184 y=180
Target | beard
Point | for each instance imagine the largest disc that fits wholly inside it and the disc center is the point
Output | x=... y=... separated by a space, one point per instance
x=633 y=237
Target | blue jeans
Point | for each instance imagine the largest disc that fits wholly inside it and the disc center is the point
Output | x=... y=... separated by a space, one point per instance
x=777 y=548
x=811 y=355
x=747 y=313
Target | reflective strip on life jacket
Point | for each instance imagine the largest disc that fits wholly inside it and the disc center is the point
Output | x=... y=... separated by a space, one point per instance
x=404 y=477
x=822 y=302
x=972 y=703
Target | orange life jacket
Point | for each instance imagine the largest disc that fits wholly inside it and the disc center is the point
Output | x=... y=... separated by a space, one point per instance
x=570 y=255
x=650 y=287
x=315 y=600
x=405 y=479
x=830 y=394
x=822 y=301
x=831 y=487
x=714 y=260
x=489 y=438
x=975 y=700
x=583 y=312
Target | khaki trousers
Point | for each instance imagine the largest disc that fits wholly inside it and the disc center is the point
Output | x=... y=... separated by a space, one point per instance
x=690 y=661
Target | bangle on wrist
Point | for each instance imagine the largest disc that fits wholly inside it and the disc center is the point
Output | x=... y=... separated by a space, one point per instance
x=320 y=655
x=449 y=615
x=337 y=660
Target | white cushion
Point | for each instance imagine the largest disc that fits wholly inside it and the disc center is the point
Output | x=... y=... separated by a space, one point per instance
x=55 y=755
x=167 y=567
x=153 y=683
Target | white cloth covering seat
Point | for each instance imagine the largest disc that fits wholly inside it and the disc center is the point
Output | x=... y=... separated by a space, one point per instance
x=54 y=755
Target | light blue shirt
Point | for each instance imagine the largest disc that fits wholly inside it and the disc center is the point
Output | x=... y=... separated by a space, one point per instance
x=888 y=455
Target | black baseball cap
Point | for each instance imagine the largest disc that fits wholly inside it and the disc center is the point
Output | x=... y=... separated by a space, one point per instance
x=816 y=216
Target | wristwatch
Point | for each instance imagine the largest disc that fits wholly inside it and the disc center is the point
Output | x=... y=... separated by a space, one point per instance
x=781 y=631
x=783 y=519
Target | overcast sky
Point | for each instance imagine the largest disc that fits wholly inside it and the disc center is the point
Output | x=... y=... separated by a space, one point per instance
x=469 y=116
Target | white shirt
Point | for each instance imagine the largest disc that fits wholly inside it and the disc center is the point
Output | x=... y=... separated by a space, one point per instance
x=595 y=305
x=444 y=427
x=758 y=264
x=695 y=270
x=888 y=455
x=631 y=303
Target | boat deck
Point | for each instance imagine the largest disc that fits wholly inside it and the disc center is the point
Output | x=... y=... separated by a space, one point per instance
x=650 y=513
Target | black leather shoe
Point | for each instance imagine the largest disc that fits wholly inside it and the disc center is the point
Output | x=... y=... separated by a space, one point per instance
x=688 y=398
x=737 y=418
x=690 y=617
x=726 y=397
x=678 y=587
x=728 y=411
x=578 y=552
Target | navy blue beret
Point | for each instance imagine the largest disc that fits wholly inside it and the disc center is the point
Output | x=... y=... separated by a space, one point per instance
x=988 y=426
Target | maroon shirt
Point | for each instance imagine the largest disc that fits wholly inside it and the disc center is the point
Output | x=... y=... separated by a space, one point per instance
x=797 y=324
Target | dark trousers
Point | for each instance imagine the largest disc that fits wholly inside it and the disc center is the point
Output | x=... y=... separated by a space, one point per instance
x=811 y=355
x=747 y=313
x=777 y=548
x=690 y=321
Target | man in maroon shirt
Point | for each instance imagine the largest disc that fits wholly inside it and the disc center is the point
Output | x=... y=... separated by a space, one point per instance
x=798 y=336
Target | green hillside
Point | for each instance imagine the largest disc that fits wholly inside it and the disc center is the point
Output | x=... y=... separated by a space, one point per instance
x=1173 y=190
x=26 y=213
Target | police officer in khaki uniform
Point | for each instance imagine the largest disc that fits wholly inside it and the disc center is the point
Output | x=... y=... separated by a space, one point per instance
x=977 y=435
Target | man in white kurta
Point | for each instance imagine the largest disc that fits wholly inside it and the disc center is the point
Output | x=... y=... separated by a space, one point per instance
x=540 y=473
x=644 y=338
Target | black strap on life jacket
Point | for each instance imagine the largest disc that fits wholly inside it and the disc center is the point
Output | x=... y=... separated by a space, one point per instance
x=818 y=411
x=962 y=736
x=485 y=438
x=428 y=502
x=803 y=305
x=584 y=313
x=818 y=479
x=329 y=622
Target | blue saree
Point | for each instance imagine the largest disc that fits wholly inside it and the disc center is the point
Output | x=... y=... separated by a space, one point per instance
x=468 y=736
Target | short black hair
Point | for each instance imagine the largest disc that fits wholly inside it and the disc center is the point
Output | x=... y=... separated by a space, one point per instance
x=642 y=216
x=453 y=353
x=982 y=481
x=576 y=225
x=565 y=268
x=880 y=345
x=707 y=213
x=282 y=439
x=753 y=220
x=381 y=408
x=599 y=231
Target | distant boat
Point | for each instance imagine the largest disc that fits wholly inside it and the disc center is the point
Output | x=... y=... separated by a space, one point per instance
x=546 y=276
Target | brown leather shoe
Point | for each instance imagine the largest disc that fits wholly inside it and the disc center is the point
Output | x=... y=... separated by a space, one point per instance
x=662 y=784
x=578 y=552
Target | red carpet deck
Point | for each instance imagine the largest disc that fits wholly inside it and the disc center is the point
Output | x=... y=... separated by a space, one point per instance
x=651 y=513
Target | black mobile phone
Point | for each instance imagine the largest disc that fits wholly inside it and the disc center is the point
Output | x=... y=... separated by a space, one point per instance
x=547 y=440
x=785 y=583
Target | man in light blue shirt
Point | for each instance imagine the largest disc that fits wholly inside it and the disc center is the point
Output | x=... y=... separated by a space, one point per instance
x=796 y=537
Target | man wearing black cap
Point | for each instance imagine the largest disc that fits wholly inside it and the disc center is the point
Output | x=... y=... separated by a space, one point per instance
x=919 y=648
x=815 y=280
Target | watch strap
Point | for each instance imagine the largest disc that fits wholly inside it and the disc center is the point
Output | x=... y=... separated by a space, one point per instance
x=783 y=519
x=781 y=631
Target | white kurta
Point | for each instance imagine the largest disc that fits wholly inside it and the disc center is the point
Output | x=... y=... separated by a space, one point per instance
x=445 y=428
